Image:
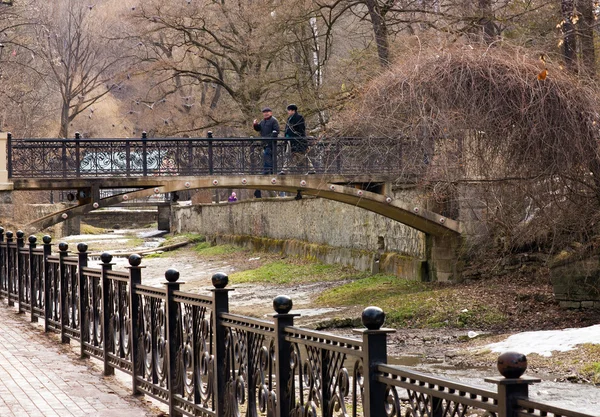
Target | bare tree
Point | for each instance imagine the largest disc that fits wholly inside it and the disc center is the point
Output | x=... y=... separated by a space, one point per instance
x=79 y=61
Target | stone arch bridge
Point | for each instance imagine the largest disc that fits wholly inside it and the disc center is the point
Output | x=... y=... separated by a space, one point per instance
x=348 y=170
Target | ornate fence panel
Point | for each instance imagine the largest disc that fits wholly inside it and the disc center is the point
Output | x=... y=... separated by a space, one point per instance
x=75 y=158
x=52 y=282
x=92 y=326
x=152 y=324
x=193 y=343
x=191 y=353
x=326 y=374
x=430 y=396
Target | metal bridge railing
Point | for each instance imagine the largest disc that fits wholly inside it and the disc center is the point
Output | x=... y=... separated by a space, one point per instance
x=131 y=157
x=192 y=353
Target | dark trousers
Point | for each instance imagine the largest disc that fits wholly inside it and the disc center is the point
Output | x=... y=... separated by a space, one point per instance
x=267 y=160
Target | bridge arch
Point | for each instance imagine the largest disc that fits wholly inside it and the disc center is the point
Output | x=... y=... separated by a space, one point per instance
x=412 y=215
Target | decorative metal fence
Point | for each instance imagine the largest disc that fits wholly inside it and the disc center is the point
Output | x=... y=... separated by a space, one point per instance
x=191 y=353
x=76 y=158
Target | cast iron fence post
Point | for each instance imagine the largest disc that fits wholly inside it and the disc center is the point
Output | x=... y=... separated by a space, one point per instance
x=64 y=157
x=82 y=262
x=511 y=385
x=63 y=248
x=2 y=262
x=46 y=267
x=220 y=306
x=274 y=153
x=283 y=351
x=145 y=153
x=135 y=279
x=172 y=275
x=10 y=273
x=19 y=269
x=106 y=266
x=374 y=354
x=9 y=153
x=209 y=135
x=33 y=276
x=77 y=155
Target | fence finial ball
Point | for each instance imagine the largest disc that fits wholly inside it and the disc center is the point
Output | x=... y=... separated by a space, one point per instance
x=20 y=234
x=106 y=258
x=135 y=259
x=282 y=304
x=82 y=247
x=512 y=364
x=220 y=280
x=32 y=239
x=47 y=239
x=373 y=318
x=63 y=246
x=172 y=275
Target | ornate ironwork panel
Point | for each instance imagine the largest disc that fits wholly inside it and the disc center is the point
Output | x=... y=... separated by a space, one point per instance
x=92 y=303
x=250 y=367
x=71 y=307
x=194 y=382
x=70 y=158
x=53 y=280
x=24 y=277
x=153 y=344
x=12 y=260
x=120 y=319
x=37 y=275
x=429 y=396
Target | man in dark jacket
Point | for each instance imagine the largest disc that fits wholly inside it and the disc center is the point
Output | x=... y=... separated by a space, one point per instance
x=268 y=128
x=295 y=130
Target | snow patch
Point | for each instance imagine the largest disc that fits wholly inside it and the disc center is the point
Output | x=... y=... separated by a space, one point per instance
x=545 y=342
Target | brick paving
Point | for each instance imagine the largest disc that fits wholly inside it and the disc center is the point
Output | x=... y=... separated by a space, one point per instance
x=41 y=377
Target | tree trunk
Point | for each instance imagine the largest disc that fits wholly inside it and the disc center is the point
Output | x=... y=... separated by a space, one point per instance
x=381 y=33
x=568 y=29
x=490 y=30
x=64 y=121
x=586 y=36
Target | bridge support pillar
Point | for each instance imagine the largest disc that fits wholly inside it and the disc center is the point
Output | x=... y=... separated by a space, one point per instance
x=5 y=184
x=164 y=217
x=443 y=258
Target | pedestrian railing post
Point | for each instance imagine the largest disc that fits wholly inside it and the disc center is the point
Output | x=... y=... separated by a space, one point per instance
x=33 y=277
x=82 y=262
x=106 y=259
x=135 y=278
x=174 y=380
x=63 y=308
x=19 y=269
x=77 y=155
x=46 y=271
x=283 y=352
x=10 y=269
x=374 y=354
x=145 y=153
x=220 y=305
x=209 y=135
x=9 y=153
x=511 y=385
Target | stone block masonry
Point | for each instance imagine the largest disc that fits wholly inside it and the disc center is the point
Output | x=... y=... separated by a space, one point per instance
x=322 y=229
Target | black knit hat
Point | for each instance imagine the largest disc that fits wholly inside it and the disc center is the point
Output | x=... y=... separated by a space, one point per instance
x=292 y=107
x=266 y=109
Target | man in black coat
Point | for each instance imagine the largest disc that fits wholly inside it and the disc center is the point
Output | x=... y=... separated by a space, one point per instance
x=268 y=128
x=295 y=131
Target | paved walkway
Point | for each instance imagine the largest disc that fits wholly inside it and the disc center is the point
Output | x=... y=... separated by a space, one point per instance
x=41 y=377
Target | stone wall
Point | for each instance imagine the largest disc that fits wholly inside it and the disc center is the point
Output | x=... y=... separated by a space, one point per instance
x=321 y=229
x=576 y=282
x=120 y=219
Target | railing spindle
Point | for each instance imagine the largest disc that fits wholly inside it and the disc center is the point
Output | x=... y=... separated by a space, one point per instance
x=63 y=308
x=19 y=269
x=135 y=279
x=172 y=313
x=46 y=267
x=220 y=306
